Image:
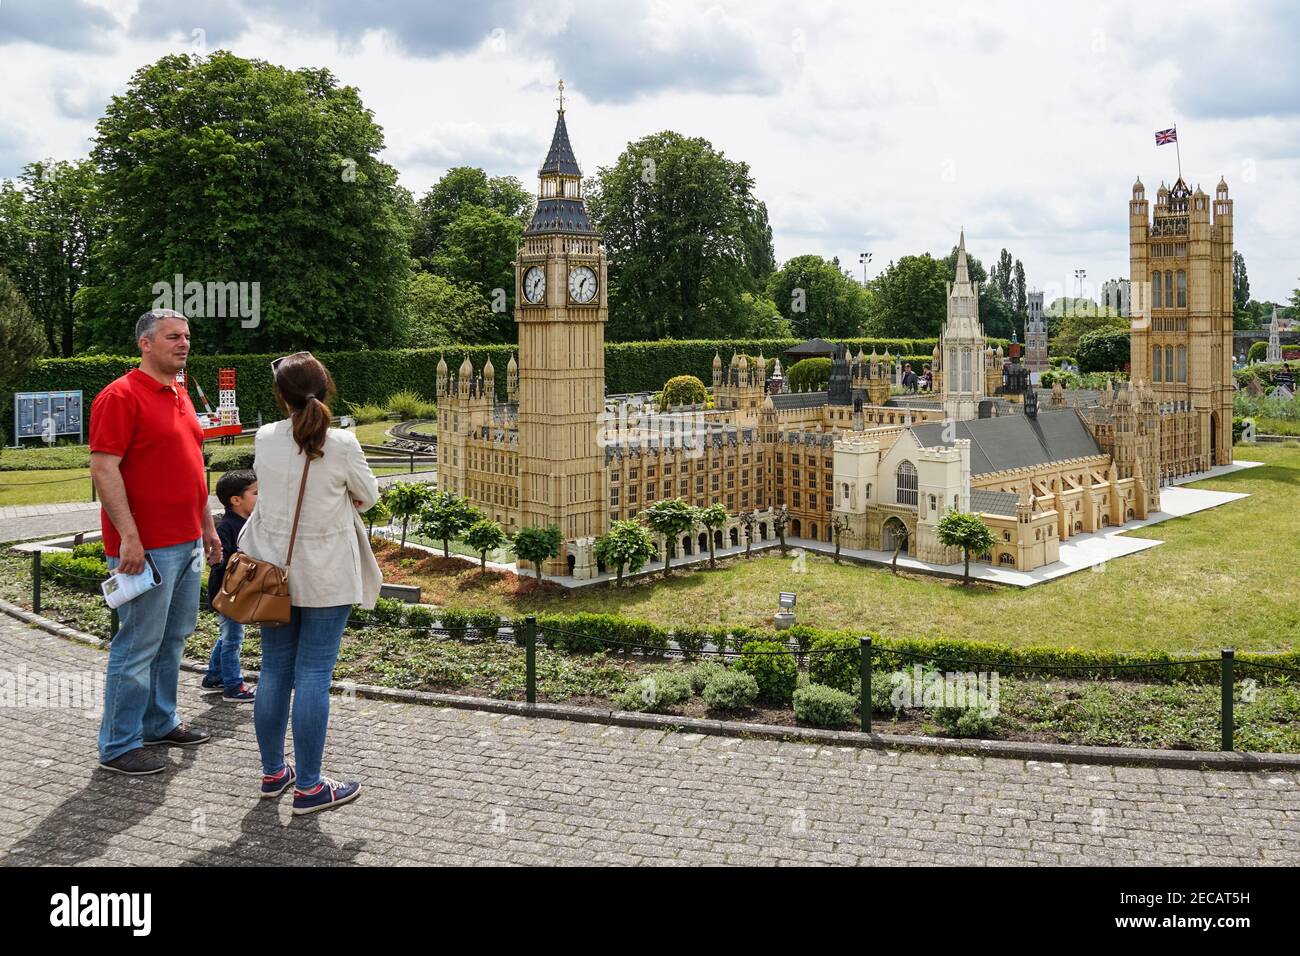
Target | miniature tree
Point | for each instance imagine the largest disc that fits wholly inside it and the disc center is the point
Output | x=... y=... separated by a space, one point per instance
x=712 y=518
x=377 y=514
x=959 y=529
x=839 y=524
x=780 y=522
x=405 y=500
x=682 y=390
x=628 y=545
x=485 y=535
x=749 y=521
x=536 y=545
x=21 y=339
x=446 y=516
x=671 y=518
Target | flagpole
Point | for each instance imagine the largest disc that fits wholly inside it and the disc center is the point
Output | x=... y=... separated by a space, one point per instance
x=1178 y=152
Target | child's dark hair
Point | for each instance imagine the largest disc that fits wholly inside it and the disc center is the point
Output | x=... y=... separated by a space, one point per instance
x=233 y=484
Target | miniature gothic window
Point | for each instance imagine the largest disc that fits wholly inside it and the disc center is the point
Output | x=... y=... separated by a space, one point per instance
x=846 y=492
x=1169 y=290
x=965 y=370
x=1006 y=558
x=1156 y=364
x=1169 y=363
x=1156 y=295
x=1182 y=361
x=1182 y=289
x=906 y=476
x=934 y=505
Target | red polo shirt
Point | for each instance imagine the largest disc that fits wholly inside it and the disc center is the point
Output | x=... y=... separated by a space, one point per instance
x=154 y=430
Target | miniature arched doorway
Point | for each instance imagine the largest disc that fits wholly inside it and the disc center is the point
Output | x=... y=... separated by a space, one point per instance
x=573 y=562
x=704 y=541
x=796 y=528
x=1130 y=516
x=1214 y=438
x=717 y=538
x=1078 y=526
x=893 y=534
x=762 y=531
x=735 y=538
x=813 y=533
x=686 y=545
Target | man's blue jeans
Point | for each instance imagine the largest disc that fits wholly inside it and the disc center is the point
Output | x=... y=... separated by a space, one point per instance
x=224 y=662
x=144 y=660
x=298 y=659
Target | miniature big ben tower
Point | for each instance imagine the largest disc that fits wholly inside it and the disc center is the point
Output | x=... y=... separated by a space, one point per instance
x=561 y=312
x=1181 y=335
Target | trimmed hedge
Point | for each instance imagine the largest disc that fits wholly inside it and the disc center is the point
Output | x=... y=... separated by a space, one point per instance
x=372 y=376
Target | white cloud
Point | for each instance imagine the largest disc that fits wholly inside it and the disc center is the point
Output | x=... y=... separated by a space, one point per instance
x=883 y=127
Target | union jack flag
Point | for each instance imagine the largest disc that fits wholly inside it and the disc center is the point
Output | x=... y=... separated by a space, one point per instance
x=1166 y=136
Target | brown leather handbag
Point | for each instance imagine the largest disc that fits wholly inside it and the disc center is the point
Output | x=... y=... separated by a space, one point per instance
x=257 y=592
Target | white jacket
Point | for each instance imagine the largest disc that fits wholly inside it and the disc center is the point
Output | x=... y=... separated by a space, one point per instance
x=332 y=560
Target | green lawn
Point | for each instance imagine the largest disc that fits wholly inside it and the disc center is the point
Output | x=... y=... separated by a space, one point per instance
x=1223 y=578
x=40 y=476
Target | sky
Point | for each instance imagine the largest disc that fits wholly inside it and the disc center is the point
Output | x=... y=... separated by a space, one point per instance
x=874 y=127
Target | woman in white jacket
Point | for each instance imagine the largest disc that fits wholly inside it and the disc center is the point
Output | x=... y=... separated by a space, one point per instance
x=332 y=569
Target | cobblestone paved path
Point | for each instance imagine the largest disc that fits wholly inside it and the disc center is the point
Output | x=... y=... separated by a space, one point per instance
x=450 y=786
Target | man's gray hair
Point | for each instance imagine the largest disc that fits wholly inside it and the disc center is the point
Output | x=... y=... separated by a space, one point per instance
x=147 y=324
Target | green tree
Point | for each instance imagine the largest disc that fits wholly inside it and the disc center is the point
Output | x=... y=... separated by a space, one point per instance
x=748 y=521
x=461 y=188
x=377 y=513
x=478 y=251
x=809 y=375
x=21 y=339
x=996 y=314
x=485 y=535
x=438 y=311
x=780 y=523
x=1079 y=317
x=1103 y=350
x=759 y=318
x=682 y=390
x=48 y=223
x=685 y=238
x=959 y=529
x=712 y=518
x=1240 y=284
x=445 y=516
x=839 y=524
x=974 y=267
x=910 y=298
x=818 y=299
x=626 y=546
x=229 y=170
x=672 y=518
x=536 y=545
x=1021 y=300
x=405 y=500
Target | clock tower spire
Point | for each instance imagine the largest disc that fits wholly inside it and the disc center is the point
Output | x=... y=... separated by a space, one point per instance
x=561 y=313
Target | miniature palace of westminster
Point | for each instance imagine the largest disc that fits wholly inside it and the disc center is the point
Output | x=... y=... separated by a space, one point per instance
x=884 y=470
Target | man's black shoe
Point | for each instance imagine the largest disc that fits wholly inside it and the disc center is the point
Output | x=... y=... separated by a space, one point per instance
x=182 y=736
x=136 y=763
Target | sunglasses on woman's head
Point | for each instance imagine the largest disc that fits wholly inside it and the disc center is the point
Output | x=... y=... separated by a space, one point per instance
x=276 y=364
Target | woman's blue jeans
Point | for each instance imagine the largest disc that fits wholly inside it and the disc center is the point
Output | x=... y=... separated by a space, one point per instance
x=298 y=661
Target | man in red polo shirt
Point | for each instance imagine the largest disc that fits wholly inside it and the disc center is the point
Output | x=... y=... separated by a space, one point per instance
x=146 y=459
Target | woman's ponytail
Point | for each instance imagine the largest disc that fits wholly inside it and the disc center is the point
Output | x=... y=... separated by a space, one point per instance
x=302 y=386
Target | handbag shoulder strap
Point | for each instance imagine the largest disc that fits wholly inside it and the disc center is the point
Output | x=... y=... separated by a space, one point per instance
x=297 y=510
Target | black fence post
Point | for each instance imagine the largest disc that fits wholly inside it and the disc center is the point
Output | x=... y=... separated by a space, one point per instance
x=530 y=658
x=114 y=624
x=36 y=581
x=92 y=490
x=865 y=668
x=1225 y=678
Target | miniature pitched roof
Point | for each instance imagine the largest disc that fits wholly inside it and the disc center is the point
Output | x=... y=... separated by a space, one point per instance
x=1016 y=441
x=985 y=501
x=813 y=348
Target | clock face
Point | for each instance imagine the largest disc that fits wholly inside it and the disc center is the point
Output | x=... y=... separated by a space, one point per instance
x=534 y=284
x=582 y=284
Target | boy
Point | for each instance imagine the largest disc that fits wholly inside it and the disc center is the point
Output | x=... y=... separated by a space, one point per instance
x=237 y=490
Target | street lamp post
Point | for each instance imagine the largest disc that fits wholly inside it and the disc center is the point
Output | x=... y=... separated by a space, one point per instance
x=1080 y=275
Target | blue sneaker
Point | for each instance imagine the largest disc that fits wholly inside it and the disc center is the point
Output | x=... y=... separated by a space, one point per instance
x=243 y=694
x=326 y=795
x=212 y=685
x=274 y=785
